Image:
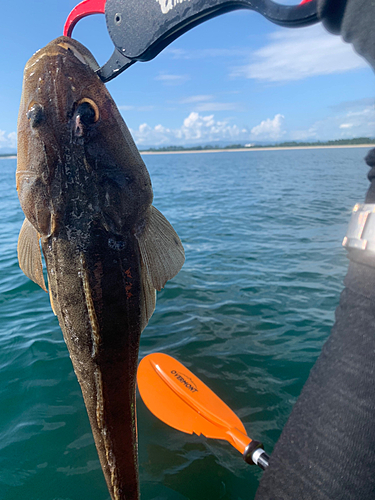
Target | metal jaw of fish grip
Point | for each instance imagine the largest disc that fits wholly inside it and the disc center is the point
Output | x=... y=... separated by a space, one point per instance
x=141 y=29
x=118 y=62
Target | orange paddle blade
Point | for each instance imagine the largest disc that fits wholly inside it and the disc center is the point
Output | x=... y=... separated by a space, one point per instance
x=178 y=398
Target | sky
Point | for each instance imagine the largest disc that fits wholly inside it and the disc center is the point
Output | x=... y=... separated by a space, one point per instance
x=233 y=79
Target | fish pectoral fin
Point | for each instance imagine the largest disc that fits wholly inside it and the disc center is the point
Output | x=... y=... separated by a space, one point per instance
x=29 y=254
x=161 y=249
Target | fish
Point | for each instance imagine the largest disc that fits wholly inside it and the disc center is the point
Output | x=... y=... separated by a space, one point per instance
x=87 y=199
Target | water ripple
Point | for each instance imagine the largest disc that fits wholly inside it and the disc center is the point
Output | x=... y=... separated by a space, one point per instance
x=248 y=314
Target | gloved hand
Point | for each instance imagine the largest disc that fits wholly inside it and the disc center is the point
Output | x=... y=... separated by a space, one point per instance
x=354 y=21
x=327 y=448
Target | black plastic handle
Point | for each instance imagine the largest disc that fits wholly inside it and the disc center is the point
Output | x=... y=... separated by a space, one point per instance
x=140 y=29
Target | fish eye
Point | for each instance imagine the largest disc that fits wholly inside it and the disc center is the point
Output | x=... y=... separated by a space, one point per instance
x=35 y=115
x=88 y=111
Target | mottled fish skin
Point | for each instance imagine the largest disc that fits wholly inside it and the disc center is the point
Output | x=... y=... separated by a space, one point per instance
x=87 y=196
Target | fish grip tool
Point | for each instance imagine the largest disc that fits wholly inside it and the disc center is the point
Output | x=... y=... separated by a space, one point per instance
x=141 y=29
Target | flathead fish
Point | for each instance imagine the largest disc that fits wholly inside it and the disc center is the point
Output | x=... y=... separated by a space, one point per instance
x=87 y=196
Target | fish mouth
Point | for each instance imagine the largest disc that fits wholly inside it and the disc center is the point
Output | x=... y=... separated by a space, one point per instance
x=64 y=46
x=80 y=52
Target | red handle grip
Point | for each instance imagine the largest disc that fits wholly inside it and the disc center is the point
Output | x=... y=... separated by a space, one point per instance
x=83 y=9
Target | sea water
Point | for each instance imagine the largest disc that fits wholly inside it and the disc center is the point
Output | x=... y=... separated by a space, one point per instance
x=248 y=314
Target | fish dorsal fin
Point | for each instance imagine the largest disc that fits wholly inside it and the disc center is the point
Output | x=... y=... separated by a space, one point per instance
x=148 y=297
x=29 y=254
x=161 y=248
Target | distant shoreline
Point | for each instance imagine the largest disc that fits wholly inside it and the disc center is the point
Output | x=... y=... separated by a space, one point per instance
x=234 y=150
x=240 y=150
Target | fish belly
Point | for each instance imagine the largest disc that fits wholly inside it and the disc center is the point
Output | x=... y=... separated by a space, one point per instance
x=96 y=296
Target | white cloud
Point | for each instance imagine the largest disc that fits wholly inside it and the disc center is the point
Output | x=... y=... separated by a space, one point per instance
x=196 y=98
x=202 y=129
x=269 y=129
x=353 y=105
x=124 y=107
x=300 y=53
x=195 y=128
x=205 y=103
x=170 y=79
x=176 y=53
x=217 y=106
x=365 y=112
x=310 y=134
x=347 y=124
x=12 y=140
x=8 y=140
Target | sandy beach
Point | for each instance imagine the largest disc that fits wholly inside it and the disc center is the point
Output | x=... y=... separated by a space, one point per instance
x=240 y=150
x=254 y=149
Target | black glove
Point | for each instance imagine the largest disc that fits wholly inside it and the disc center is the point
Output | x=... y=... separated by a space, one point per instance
x=354 y=21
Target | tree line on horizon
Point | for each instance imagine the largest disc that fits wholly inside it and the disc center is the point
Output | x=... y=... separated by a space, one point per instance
x=286 y=144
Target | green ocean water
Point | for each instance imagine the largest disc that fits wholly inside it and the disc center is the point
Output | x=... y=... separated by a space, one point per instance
x=248 y=313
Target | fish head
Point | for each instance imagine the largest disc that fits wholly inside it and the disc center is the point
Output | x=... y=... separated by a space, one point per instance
x=74 y=144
